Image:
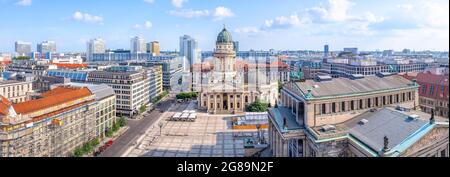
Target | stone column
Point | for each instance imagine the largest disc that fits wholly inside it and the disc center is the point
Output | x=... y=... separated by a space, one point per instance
x=235 y=102
x=215 y=103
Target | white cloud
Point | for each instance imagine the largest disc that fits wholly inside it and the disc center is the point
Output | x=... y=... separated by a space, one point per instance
x=333 y=11
x=218 y=13
x=427 y=13
x=146 y=25
x=331 y=18
x=86 y=18
x=222 y=12
x=248 y=30
x=337 y=11
x=149 y=1
x=283 y=22
x=24 y=2
x=189 y=13
x=405 y=7
x=178 y=3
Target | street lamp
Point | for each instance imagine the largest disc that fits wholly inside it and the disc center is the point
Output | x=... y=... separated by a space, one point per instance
x=160 y=124
x=258 y=127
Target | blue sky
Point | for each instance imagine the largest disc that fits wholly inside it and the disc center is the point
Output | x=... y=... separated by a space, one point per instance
x=257 y=24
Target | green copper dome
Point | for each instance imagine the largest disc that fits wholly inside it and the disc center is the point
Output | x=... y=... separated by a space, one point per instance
x=224 y=36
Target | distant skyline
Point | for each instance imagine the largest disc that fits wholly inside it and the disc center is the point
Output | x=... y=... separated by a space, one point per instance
x=256 y=24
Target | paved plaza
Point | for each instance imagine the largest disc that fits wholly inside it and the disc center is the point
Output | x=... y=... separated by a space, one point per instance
x=208 y=136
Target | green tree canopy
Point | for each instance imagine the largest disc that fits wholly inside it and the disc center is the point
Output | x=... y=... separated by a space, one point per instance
x=22 y=58
x=187 y=95
x=257 y=106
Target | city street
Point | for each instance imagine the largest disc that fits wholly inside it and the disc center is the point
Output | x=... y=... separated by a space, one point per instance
x=137 y=128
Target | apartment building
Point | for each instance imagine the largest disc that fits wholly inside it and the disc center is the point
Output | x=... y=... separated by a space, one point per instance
x=51 y=126
x=16 y=91
x=131 y=85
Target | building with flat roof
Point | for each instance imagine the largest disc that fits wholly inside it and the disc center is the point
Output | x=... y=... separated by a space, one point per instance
x=73 y=74
x=22 y=48
x=105 y=112
x=155 y=75
x=343 y=67
x=16 y=91
x=325 y=103
x=44 y=83
x=131 y=85
x=35 y=67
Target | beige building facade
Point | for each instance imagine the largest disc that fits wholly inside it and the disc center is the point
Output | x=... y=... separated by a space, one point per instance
x=16 y=91
x=225 y=90
x=326 y=117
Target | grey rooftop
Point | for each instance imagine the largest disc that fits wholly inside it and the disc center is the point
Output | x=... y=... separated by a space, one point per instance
x=346 y=86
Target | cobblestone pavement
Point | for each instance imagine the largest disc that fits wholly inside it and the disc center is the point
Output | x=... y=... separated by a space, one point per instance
x=208 y=136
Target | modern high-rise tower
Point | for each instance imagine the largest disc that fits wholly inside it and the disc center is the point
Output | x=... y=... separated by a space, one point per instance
x=138 y=45
x=326 y=50
x=94 y=46
x=47 y=47
x=22 y=48
x=190 y=51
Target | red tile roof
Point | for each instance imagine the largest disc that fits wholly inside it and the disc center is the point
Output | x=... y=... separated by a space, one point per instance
x=426 y=80
x=70 y=66
x=205 y=66
x=54 y=97
x=241 y=64
x=432 y=78
x=4 y=105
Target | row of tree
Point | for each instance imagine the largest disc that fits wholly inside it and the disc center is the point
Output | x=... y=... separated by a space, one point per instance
x=187 y=95
x=89 y=146
x=258 y=106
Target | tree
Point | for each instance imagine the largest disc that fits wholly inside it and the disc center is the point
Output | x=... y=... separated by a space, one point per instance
x=122 y=122
x=115 y=127
x=187 y=95
x=109 y=133
x=257 y=106
x=143 y=108
x=280 y=86
x=22 y=58
x=95 y=142
x=78 y=152
x=159 y=97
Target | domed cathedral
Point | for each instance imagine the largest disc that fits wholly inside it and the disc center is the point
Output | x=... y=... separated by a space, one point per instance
x=225 y=89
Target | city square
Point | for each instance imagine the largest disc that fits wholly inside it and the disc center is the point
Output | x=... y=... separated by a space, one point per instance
x=208 y=136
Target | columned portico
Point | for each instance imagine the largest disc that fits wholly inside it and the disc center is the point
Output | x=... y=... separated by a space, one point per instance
x=227 y=91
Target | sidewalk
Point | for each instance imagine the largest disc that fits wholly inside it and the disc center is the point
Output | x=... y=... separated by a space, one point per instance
x=107 y=139
x=149 y=109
